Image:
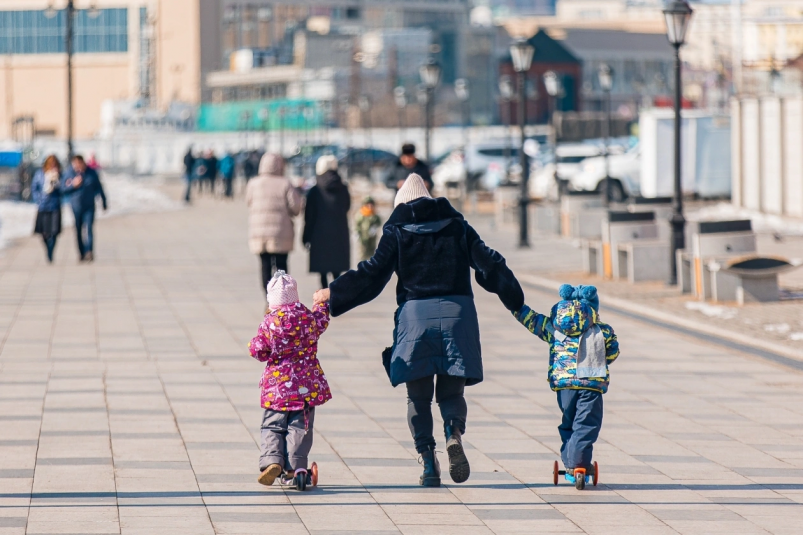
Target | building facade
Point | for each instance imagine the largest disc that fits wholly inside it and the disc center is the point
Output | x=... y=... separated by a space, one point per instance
x=148 y=51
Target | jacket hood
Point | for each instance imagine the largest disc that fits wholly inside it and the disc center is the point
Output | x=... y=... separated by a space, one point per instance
x=573 y=318
x=330 y=181
x=424 y=210
x=271 y=164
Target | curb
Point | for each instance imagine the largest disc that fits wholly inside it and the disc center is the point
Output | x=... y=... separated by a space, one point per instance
x=733 y=340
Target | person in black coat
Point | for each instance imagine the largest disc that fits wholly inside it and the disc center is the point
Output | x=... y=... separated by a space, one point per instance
x=326 y=223
x=432 y=250
x=189 y=167
x=408 y=163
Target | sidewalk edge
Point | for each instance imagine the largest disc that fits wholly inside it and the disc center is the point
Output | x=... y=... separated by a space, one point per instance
x=771 y=350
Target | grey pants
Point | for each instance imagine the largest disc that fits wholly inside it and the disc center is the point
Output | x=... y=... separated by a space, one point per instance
x=286 y=440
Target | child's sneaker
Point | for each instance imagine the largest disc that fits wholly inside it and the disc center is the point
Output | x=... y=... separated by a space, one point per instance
x=269 y=474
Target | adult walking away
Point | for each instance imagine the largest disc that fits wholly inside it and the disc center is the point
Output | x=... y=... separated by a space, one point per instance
x=46 y=192
x=83 y=185
x=326 y=223
x=406 y=164
x=189 y=169
x=432 y=249
x=211 y=170
x=227 y=168
x=272 y=203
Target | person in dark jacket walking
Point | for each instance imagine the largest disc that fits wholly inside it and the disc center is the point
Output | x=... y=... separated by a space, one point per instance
x=189 y=167
x=408 y=163
x=326 y=223
x=46 y=193
x=211 y=170
x=432 y=250
x=83 y=185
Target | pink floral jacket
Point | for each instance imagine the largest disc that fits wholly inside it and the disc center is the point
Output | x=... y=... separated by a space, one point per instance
x=288 y=341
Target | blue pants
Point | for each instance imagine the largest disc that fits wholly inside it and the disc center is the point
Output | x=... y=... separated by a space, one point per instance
x=84 y=221
x=582 y=420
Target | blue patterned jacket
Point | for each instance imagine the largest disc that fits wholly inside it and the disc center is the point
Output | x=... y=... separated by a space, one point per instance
x=569 y=319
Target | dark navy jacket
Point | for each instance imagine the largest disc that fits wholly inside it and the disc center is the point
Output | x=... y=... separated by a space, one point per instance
x=82 y=198
x=432 y=249
x=46 y=203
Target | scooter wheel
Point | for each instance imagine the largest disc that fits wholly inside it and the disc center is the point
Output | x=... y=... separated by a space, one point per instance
x=555 y=470
x=313 y=472
x=595 y=477
x=301 y=480
x=579 y=478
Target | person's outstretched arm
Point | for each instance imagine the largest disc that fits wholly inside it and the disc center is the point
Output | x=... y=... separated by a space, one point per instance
x=100 y=191
x=259 y=346
x=320 y=312
x=611 y=343
x=534 y=322
x=492 y=273
x=361 y=285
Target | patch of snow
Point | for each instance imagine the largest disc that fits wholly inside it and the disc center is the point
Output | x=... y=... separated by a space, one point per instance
x=780 y=328
x=712 y=311
x=761 y=222
x=796 y=336
x=124 y=194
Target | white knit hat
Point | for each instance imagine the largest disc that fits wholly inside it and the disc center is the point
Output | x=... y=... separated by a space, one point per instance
x=282 y=290
x=412 y=189
x=325 y=163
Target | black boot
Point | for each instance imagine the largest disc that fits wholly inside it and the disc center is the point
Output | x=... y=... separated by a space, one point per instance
x=458 y=462
x=432 y=470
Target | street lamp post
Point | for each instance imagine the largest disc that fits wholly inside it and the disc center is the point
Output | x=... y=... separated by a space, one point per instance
x=400 y=96
x=606 y=83
x=506 y=91
x=552 y=84
x=430 y=76
x=50 y=12
x=521 y=52
x=461 y=91
x=678 y=14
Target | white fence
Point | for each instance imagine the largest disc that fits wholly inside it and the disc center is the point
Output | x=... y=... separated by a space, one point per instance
x=150 y=152
x=767 y=155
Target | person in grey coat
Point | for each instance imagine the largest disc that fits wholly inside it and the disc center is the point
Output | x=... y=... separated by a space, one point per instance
x=432 y=250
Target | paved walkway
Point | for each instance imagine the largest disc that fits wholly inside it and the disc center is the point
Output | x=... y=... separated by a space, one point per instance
x=128 y=405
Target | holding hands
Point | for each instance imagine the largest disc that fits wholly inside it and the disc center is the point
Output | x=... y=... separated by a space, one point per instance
x=321 y=296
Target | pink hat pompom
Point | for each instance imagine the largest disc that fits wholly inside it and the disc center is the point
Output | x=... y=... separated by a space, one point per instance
x=282 y=290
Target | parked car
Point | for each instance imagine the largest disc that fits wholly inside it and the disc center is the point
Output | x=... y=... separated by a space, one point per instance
x=625 y=174
x=367 y=162
x=450 y=170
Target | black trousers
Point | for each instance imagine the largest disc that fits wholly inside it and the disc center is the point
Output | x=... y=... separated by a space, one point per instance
x=448 y=394
x=325 y=281
x=270 y=264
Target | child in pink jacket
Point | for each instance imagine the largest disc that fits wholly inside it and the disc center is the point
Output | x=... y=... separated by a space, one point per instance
x=293 y=383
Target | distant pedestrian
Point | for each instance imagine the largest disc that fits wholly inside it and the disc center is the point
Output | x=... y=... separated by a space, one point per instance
x=326 y=223
x=84 y=186
x=251 y=165
x=293 y=383
x=406 y=164
x=199 y=172
x=211 y=170
x=369 y=225
x=272 y=203
x=581 y=348
x=46 y=193
x=189 y=169
x=92 y=162
x=227 y=169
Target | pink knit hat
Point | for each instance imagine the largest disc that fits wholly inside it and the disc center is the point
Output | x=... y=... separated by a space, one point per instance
x=282 y=290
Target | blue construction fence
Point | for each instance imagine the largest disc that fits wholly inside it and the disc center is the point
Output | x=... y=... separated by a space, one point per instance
x=262 y=115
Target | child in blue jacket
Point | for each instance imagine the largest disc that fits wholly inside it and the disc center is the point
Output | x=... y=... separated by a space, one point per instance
x=580 y=350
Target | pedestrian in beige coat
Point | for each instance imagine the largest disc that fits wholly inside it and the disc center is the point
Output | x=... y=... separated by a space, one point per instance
x=272 y=202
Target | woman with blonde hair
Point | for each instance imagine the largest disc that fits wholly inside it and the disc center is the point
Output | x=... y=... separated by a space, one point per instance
x=46 y=192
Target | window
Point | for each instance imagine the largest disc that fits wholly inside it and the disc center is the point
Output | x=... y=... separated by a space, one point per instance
x=32 y=32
